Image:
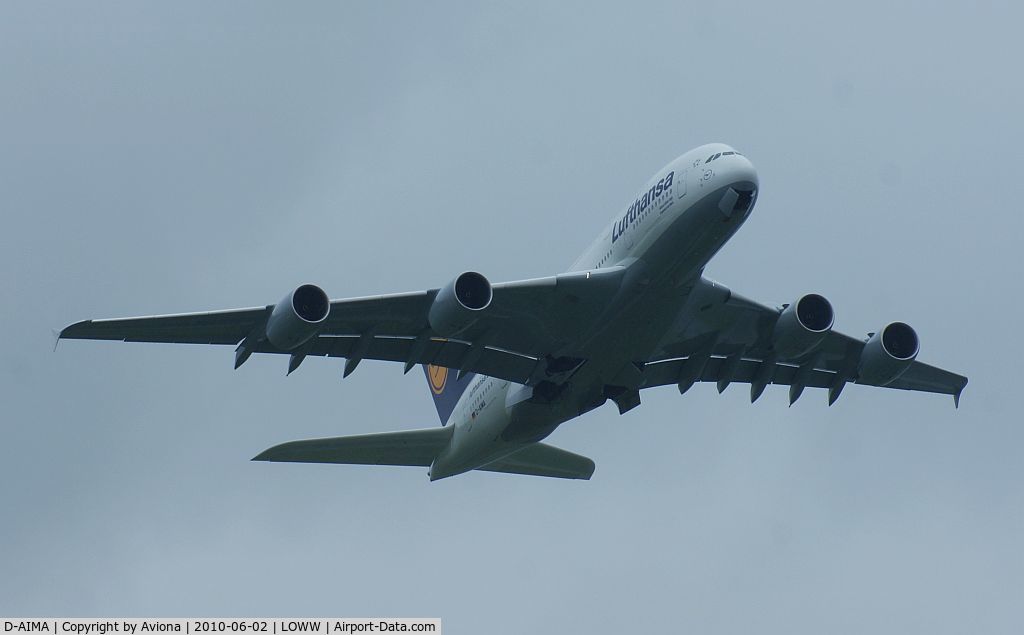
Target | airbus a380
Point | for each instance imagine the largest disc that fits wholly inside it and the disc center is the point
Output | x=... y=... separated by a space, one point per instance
x=507 y=363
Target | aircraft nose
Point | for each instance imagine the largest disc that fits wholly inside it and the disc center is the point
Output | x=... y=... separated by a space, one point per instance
x=741 y=173
x=739 y=197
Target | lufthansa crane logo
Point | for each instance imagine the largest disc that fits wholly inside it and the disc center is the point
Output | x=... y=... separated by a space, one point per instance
x=438 y=378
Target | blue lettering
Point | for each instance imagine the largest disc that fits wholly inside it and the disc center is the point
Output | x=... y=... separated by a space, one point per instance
x=618 y=229
x=639 y=205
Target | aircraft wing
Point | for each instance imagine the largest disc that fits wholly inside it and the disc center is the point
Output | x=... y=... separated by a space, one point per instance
x=732 y=342
x=531 y=317
x=453 y=354
x=212 y=327
x=526 y=320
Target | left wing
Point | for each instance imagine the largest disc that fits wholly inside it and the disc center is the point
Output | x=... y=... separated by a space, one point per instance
x=919 y=377
x=733 y=339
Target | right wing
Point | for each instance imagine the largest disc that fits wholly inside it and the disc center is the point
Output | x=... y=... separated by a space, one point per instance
x=435 y=351
x=212 y=327
x=526 y=322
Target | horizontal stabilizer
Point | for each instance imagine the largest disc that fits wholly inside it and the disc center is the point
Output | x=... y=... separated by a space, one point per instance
x=408 y=447
x=541 y=459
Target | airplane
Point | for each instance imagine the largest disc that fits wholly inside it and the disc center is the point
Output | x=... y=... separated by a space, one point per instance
x=507 y=363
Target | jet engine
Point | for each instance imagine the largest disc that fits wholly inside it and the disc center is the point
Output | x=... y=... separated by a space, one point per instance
x=297 y=316
x=802 y=326
x=459 y=304
x=888 y=354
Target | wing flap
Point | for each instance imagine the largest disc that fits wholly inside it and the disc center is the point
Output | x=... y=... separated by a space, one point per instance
x=541 y=459
x=452 y=354
x=668 y=372
x=919 y=377
x=408 y=447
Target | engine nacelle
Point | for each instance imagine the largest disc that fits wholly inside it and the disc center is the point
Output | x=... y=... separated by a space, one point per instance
x=802 y=326
x=297 y=317
x=888 y=354
x=460 y=303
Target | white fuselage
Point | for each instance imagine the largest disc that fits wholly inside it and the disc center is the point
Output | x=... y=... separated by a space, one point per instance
x=665 y=236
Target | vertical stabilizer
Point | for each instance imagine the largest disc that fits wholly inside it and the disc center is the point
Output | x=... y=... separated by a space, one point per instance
x=445 y=388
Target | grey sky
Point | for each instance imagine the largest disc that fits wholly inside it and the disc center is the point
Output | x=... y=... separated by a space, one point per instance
x=191 y=156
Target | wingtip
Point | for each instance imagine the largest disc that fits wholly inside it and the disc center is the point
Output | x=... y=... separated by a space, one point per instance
x=956 y=395
x=69 y=331
x=272 y=454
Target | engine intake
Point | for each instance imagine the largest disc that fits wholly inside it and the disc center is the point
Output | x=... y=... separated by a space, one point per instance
x=888 y=353
x=459 y=303
x=296 y=318
x=802 y=326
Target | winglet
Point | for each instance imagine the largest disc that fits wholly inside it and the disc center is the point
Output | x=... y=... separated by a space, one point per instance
x=69 y=331
x=956 y=396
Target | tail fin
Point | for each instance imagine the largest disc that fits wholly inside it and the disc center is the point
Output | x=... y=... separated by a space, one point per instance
x=445 y=389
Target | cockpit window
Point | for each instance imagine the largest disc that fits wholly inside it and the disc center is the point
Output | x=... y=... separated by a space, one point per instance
x=721 y=154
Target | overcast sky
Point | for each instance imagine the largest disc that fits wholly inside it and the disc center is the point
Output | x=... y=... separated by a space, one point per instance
x=172 y=157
